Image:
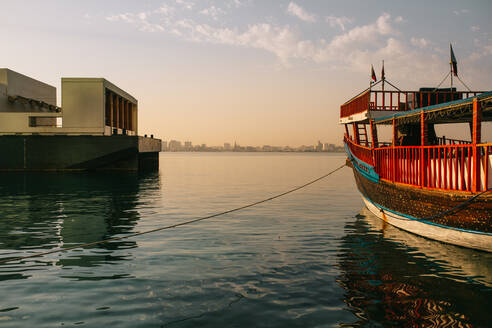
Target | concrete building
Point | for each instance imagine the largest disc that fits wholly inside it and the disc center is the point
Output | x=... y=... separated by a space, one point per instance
x=26 y=105
x=90 y=106
x=40 y=135
x=98 y=107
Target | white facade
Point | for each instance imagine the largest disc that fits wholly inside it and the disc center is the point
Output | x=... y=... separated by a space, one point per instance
x=97 y=106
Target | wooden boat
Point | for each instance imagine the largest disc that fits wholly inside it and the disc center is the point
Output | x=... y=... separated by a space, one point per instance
x=432 y=186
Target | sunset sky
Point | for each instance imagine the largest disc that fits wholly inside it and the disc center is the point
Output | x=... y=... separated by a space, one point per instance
x=251 y=71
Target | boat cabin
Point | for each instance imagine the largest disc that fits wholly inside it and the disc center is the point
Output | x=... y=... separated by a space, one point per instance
x=416 y=155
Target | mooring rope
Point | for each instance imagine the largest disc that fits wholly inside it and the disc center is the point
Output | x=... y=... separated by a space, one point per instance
x=445 y=212
x=59 y=250
x=460 y=205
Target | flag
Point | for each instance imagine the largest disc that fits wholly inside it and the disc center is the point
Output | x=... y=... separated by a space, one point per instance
x=373 y=74
x=453 y=61
x=382 y=72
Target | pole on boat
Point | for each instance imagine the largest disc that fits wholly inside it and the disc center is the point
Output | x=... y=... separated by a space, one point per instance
x=451 y=55
x=423 y=142
x=451 y=74
x=476 y=139
x=382 y=85
x=382 y=75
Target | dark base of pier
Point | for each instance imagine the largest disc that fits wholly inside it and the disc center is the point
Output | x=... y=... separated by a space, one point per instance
x=148 y=161
x=78 y=153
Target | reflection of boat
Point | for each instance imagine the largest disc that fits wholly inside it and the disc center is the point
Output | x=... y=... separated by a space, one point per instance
x=455 y=259
x=392 y=280
x=420 y=182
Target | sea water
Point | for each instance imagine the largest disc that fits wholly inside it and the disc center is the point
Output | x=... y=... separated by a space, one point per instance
x=313 y=258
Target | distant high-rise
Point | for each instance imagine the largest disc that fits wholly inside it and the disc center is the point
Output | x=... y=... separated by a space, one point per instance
x=227 y=146
x=188 y=146
x=174 y=145
x=328 y=147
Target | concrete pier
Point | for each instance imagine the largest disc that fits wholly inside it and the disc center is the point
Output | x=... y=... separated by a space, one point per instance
x=78 y=153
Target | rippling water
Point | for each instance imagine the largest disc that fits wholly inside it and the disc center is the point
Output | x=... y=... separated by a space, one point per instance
x=314 y=258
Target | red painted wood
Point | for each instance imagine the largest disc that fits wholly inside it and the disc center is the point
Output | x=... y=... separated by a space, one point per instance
x=477 y=127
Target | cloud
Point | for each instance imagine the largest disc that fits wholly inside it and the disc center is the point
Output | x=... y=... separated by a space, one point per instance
x=285 y=42
x=165 y=10
x=335 y=21
x=212 y=12
x=140 y=20
x=185 y=4
x=399 y=19
x=281 y=41
x=481 y=49
x=301 y=13
x=128 y=18
x=460 y=12
x=237 y=3
x=366 y=33
x=419 y=42
x=354 y=49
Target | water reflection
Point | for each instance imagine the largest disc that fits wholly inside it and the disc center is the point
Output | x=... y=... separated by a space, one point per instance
x=46 y=211
x=399 y=279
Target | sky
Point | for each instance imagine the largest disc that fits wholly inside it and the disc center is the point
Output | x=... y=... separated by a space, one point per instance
x=255 y=72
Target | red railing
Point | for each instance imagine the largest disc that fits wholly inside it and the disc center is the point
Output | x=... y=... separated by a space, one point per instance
x=399 y=100
x=447 y=167
x=442 y=141
x=361 y=152
x=408 y=100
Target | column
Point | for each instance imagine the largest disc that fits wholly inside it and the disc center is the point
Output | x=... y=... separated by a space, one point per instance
x=117 y=111
x=122 y=113
x=111 y=111
x=476 y=139
x=395 y=132
x=130 y=116
x=122 y=103
x=393 y=155
x=374 y=134
x=423 y=142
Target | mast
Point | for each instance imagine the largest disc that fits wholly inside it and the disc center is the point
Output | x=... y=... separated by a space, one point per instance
x=451 y=73
x=382 y=85
x=382 y=76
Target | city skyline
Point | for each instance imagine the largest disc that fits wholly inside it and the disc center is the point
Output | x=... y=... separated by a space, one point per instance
x=254 y=71
x=177 y=145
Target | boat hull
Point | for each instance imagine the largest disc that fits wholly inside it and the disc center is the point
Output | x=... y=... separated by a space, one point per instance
x=411 y=209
